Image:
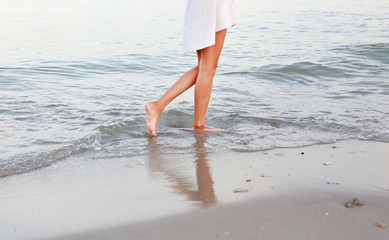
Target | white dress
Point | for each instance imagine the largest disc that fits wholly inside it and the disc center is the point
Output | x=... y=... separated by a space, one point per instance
x=203 y=18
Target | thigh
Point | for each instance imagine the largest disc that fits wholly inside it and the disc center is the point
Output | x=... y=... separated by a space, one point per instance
x=210 y=55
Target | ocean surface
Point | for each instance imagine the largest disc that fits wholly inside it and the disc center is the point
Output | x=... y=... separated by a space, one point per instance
x=75 y=75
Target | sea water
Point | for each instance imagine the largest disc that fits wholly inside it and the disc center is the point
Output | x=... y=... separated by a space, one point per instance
x=75 y=76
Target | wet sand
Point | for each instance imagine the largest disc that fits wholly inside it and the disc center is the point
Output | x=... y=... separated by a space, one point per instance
x=296 y=193
x=315 y=215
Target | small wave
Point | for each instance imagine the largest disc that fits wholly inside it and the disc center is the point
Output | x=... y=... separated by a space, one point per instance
x=378 y=52
x=28 y=162
x=105 y=134
x=134 y=64
x=234 y=119
x=306 y=71
x=382 y=136
x=301 y=72
x=117 y=128
x=244 y=133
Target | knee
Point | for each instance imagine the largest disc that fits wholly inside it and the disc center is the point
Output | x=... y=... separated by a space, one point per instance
x=209 y=69
x=196 y=69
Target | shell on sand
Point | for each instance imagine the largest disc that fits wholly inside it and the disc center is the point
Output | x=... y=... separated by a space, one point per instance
x=348 y=205
x=356 y=202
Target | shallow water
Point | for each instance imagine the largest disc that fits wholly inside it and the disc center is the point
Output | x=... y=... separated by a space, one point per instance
x=75 y=75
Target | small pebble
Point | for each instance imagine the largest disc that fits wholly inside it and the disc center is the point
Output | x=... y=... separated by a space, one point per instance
x=248 y=180
x=241 y=190
x=334 y=146
x=327 y=214
x=348 y=205
x=336 y=183
x=326 y=163
x=302 y=153
x=382 y=225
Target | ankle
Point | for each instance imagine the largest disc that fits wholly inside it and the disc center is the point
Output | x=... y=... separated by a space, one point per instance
x=153 y=106
x=198 y=126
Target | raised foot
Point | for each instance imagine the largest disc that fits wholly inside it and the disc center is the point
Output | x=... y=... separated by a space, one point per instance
x=152 y=118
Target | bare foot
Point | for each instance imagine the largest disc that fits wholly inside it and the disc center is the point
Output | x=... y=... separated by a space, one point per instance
x=152 y=118
x=206 y=129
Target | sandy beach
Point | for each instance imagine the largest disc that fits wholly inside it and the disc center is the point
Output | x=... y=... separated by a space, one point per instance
x=301 y=90
x=316 y=215
x=294 y=193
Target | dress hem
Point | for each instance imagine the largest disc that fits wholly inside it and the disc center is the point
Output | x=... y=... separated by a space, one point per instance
x=209 y=45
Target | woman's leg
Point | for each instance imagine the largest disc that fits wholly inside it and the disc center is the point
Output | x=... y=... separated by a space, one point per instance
x=207 y=64
x=154 y=109
x=209 y=58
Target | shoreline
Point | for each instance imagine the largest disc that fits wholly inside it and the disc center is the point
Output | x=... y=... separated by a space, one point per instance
x=225 y=195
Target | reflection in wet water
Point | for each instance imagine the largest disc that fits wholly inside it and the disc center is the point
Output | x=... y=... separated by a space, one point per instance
x=205 y=192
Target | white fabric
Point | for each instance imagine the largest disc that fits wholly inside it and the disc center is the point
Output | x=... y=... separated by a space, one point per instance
x=203 y=18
